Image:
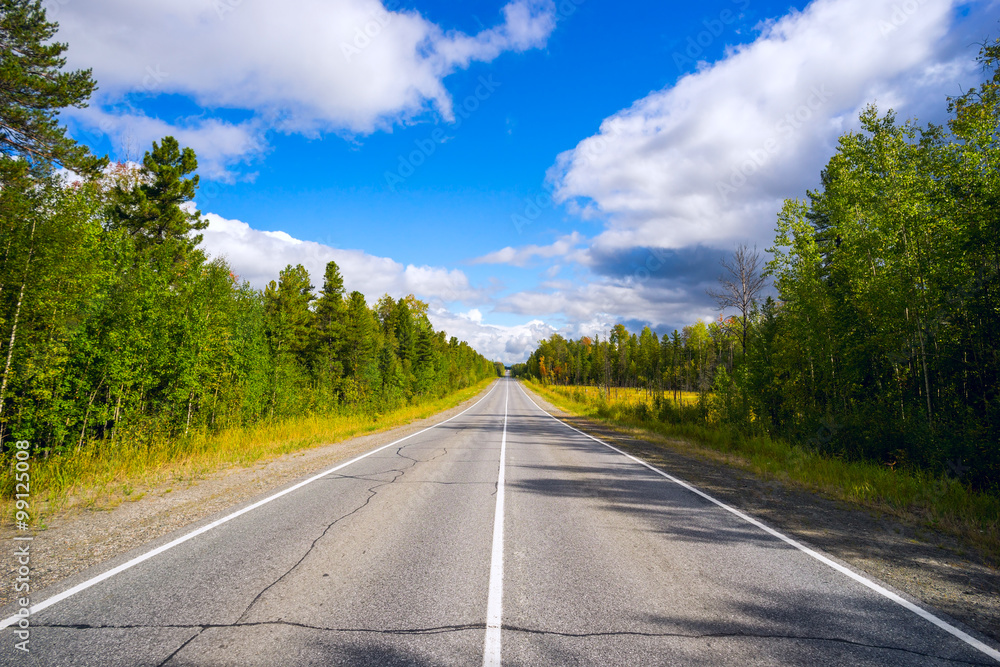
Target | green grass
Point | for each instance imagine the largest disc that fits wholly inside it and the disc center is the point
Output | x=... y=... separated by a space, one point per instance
x=941 y=503
x=101 y=477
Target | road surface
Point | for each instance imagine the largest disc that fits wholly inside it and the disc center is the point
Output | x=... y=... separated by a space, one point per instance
x=500 y=535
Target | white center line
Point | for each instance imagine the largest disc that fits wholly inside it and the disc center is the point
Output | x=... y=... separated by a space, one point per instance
x=494 y=605
x=11 y=620
x=864 y=581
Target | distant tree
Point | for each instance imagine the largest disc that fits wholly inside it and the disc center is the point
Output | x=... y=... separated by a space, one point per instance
x=648 y=366
x=383 y=309
x=403 y=329
x=287 y=306
x=361 y=345
x=417 y=307
x=330 y=315
x=741 y=286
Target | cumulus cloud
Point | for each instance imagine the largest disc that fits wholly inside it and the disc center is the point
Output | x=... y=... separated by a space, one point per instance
x=562 y=247
x=219 y=145
x=302 y=66
x=708 y=160
x=640 y=293
x=595 y=307
x=258 y=256
x=509 y=344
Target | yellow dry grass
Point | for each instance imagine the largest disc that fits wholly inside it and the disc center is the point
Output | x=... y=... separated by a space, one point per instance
x=913 y=495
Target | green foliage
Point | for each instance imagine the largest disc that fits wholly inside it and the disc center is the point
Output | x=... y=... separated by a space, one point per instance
x=33 y=88
x=151 y=206
x=116 y=331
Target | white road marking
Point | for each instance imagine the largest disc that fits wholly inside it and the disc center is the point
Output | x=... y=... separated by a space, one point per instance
x=494 y=604
x=7 y=622
x=881 y=590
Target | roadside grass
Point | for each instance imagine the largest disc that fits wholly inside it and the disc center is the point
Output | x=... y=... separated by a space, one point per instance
x=937 y=502
x=101 y=477
x=628 y=395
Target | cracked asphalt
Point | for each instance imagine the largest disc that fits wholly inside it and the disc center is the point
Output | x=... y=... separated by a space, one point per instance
x=387 y=561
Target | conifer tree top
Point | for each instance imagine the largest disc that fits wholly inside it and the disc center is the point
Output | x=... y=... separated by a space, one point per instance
x=33 y=88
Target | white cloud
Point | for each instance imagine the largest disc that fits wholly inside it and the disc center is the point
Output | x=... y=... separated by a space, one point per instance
x=709 y=159
x=219 y=145
x=595 y=307
x=583 y=310
x=474 y=315
x=509 y=344
x=304 y=66
x=258 y=256
x=564 y=245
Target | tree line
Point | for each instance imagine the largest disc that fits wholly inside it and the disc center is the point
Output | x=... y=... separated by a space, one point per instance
x=884 y=341
x=115 y=326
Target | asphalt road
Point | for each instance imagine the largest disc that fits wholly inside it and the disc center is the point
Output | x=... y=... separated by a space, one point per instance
x=582 y=555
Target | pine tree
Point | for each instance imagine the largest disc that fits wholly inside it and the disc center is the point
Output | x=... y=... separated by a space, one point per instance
x=330 y=320
x=153 y=208
x=289 y=318
x=361 y=345
x=33 y=88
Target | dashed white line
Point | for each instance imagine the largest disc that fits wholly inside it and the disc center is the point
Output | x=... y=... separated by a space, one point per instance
x=881 y=590
x=494 y=604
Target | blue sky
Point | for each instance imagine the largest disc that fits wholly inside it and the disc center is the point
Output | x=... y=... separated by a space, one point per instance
x=525 y=167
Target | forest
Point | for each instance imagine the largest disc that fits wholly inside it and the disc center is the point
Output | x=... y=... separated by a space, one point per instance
x=116 y=328
x=883 y=343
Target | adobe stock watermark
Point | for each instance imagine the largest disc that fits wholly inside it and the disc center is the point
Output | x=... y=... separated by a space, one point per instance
x=21 y=585
x=656 y=258
x=591 y=149
x=408 y=164
x=533 y=207
x=153 y=78
x=223 y=7
x=53 y=8
x=372 y=28
x=95 y=136
x=901 y=13
x=788 y=126
x=714 y=27
x=211 y=187
x=824 y=434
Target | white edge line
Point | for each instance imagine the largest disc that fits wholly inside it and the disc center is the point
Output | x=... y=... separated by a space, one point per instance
x=34 y=609
x=494 y=604
x=923 y=613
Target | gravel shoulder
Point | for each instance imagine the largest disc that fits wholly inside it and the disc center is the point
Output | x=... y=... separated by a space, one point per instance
x=77 y=539
x=924 y=564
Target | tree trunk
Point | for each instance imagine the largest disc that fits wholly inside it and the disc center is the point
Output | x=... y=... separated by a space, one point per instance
x=187 y=424
x=86 y=416
x=17 y=315
x=927 y=380
x=10 y=349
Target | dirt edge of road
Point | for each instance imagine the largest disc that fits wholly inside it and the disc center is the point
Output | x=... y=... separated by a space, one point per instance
x=80 y=538
x=926 y=565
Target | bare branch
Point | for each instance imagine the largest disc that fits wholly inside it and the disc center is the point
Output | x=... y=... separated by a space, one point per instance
x=741 y=285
